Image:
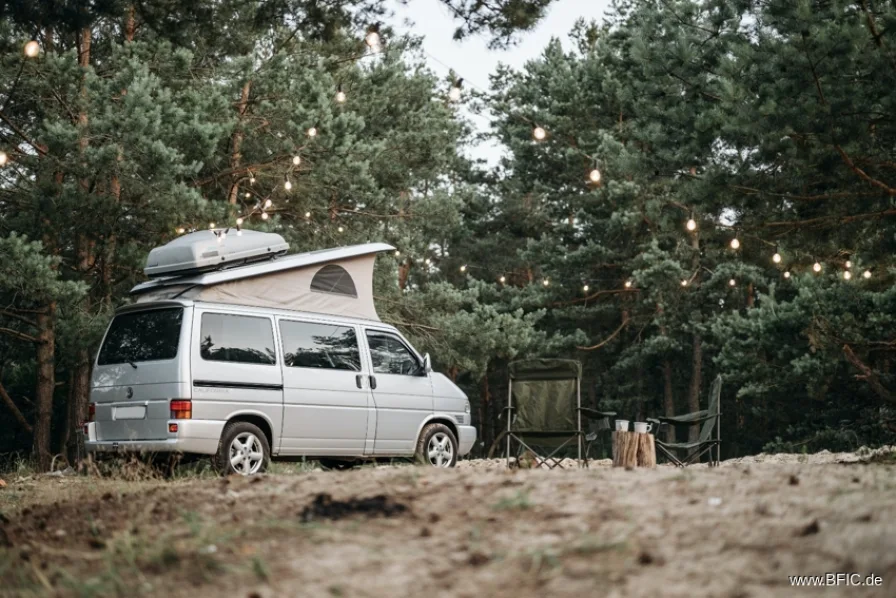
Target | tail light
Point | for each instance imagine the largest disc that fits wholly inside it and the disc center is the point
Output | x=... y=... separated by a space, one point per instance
x=181 y=409
x=91 y=412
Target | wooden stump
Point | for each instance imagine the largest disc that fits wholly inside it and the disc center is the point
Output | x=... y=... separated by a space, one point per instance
x=633 y=450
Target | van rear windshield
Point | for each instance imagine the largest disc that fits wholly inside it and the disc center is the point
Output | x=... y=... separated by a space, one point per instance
x=142 y=336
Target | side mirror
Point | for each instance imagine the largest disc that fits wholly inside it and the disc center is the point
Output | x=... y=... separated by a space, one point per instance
x=427 y=364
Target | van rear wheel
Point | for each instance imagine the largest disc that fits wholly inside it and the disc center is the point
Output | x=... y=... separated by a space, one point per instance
x=243 y=449
x=437 y=446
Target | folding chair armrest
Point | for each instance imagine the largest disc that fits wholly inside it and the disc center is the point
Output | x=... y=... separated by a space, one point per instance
x=595 y=414
x=655 y=422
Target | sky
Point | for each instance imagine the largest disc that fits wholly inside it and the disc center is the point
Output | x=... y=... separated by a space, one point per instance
x=471 y=58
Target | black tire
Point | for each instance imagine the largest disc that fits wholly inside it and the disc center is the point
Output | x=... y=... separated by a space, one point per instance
x=222 y=461
x=426 y=435
x=337 y=464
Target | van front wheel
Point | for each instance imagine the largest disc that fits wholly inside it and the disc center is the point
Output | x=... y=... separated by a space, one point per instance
x=243 y=449
x=437 y=446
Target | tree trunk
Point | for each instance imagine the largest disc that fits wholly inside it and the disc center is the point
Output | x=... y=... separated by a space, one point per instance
x=696 y=380
x=668 y=399
x=130 y=25
x=46 y=384
x=16 y=413
x=236 y=144
x=77 y=408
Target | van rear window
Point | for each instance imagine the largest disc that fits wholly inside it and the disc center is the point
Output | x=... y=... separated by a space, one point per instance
x=142 y=336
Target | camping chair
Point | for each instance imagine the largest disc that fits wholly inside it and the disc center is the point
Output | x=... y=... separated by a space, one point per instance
x=544 y=410
x=598 y=422
x=694 y=450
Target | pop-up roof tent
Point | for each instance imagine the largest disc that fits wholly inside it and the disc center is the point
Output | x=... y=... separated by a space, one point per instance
x=247 y=270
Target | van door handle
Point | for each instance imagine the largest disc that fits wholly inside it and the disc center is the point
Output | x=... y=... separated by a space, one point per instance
x=358 y=382
x=372 y=382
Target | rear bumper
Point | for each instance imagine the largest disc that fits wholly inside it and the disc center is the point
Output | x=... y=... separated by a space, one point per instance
x=466 y=438
x=192 y=436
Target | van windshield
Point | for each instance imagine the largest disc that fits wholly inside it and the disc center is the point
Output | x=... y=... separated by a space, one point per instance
x=142 y=336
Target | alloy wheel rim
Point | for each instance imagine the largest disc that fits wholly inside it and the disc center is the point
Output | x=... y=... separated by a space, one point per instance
x=440 y=450
x=246 y=454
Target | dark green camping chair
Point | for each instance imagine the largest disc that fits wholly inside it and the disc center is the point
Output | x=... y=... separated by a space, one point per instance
x=706 y=442
x=544 y=411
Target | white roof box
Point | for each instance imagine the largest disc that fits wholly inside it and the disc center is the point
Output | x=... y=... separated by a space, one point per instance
x=207 y=250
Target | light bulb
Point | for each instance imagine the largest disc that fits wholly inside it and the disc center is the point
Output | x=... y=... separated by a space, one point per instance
x=692 y=224
x=264 y=216
x=585 y=288
x=426 y=261
x=239 y=221
x=248 y=194
x=373 y=40
x=732 y=282
x=296 y=160
x=32 y=49
x=463 y=268
x=847 y=275
x=848 y=264
x=251 y=180
x=4 y=158
x=181 y=230
x=287 y=185
x=776 y=258
x=735 y=243
x=341 y=229
x=539 y=134
x=267 y=203
x=787 y=275
x=594 y=176
x=211 y=225
x=546 y=282
x=817 y=267
x=307 y=214
x=502 y=280
x=628 y=284
x=867 y=274
x=684 y=283
x=340 y=96
x=397 y=253
x=312 y=132
x=454 y=93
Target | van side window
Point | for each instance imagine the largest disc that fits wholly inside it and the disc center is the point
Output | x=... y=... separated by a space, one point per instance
x=324 y=346
x=240 y=339
x=390 y=356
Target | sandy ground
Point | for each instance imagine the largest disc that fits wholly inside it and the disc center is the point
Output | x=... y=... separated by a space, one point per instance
x=735 y=531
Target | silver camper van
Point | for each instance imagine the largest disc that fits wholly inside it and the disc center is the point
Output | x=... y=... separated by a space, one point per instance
x=235 y=351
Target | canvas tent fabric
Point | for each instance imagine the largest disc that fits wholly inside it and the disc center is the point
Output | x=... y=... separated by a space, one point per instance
x=545 y=395
x=289 y=283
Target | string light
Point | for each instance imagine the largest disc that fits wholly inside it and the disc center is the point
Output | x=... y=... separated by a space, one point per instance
x=787 y=274
x=397 y=253
x=268 y=203
x=455 y=92
x=287 y=185
x=691 y=224
x=816 y=267
x=866 y=274
x=312 y=132
x=427 y=261
x=4 y=158
x=847 y=275
x=307 y=215
x=340 y=95
x=296 y=160
x=594 y=175
x=735 y=243
x=502 y=280
x=848 y=264
x=181 y=230
x=684 y=283
x=372 y=39
x=239 y=221
x=211 y=225
x=585 y=288
x=32 y=49
x=628 y=284
x=264 y=216
x=776 y=258
x=341 y=229
x=546 y=282
x=539 y=133
x=463 y=268
x=251 y=179
x=248 y=195
x=732 y=282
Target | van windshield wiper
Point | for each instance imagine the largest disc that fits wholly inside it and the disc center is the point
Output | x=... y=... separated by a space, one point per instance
x=133 y=365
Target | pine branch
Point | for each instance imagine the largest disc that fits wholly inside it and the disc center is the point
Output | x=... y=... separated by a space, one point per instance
x=625 y=321
x=868 y=375
x=15 y=410
x=19 y=335
x=593 y=296
x=831 y=219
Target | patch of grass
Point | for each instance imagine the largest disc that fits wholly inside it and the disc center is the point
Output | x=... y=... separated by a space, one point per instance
x=260 y=569
x=519 y=501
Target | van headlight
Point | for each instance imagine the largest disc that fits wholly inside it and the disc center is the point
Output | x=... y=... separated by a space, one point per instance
x=467 y=406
